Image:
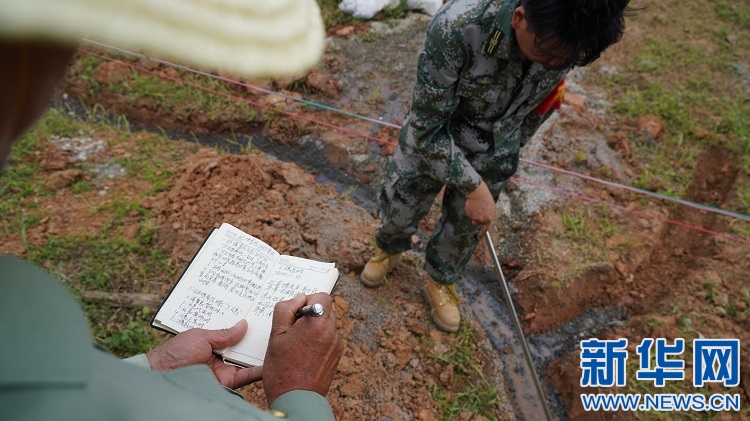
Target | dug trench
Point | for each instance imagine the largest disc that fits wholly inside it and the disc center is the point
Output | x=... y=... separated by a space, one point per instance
x=675 y=266
x=654 y=279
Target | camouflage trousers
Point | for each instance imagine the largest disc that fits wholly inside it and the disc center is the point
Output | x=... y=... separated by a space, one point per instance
x=405 y=198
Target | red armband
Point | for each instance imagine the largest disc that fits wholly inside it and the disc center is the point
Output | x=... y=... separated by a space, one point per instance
x=554 y=99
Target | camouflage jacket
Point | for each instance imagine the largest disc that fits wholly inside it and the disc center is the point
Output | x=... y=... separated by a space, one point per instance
x=472 y=102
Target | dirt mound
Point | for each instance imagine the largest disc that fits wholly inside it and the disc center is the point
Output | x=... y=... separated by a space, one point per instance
x=274 y=201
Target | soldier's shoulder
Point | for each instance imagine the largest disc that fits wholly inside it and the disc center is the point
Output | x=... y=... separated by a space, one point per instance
x=460 y=13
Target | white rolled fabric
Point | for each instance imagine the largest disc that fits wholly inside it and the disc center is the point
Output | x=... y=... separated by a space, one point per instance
x=245 y=37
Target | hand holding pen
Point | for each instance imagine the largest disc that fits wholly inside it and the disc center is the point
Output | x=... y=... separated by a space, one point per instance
x=303 y=352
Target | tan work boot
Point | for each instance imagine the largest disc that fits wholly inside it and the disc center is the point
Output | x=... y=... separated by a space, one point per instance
x=444 y=303
x=377 y=267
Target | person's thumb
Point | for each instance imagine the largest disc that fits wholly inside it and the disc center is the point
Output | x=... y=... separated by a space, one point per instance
x=223 y=338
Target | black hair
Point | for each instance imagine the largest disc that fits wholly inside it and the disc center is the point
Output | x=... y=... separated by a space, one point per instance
x=578 y=30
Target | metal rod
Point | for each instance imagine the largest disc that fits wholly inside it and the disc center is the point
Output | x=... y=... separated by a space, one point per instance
x=517 y=324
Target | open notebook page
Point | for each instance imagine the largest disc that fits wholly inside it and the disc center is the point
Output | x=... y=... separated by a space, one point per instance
x=291 y=276
x=220 y=284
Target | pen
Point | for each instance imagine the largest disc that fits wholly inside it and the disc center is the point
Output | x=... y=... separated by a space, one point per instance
x=313 y=310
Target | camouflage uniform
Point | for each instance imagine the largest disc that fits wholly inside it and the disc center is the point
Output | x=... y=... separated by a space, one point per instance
x=471 y=113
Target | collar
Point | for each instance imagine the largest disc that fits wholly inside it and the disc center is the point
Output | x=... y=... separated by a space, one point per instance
x=502 y=40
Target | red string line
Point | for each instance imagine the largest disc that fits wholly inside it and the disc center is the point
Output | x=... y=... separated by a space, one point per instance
x=237 y=98
x=357 y=134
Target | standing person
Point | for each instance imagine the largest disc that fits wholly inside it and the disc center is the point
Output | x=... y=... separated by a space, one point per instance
x=489 y=74
x=50 y=367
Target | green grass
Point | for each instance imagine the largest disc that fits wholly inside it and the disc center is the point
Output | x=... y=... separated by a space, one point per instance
x=474 y=400
x=119 y=208
x=737 y=13
x=22 y=179
x=332 y=16
x=188 y=94
x=586 y=228
x=398 y=12
x=581 y=158
x=693 y=78
x=670 y=105
x=150 y=160
x=474 y=394
x=123 y=332
x=231 y=144
x=110 y=260
x=170 y=96
x=103 y=261
x=59 y=123
x=587 y=224
x=671 y=159
x=144 y=164
x=80 y=186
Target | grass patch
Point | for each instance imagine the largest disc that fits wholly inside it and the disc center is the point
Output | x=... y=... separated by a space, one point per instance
x=590 y=225
x=103 y=262
x=123 y=332
x=110 y=263
x=170 y=96
x=333 y=17
x=737 y=13
x=397 y=12
x=151 y=160
x=688 y=71
x=61 y=123
x=586 y=229
x=671 y=105
x=474 y=393
x=80 y=186
x=119 y=209
x=188 y=94
x=109 y=260
x=22 y=178
x=239 y=146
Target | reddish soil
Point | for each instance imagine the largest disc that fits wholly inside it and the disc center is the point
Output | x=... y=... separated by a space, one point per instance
x=661 y=274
